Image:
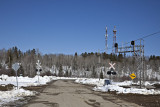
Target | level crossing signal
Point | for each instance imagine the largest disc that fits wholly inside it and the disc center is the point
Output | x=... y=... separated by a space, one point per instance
x=112 y=69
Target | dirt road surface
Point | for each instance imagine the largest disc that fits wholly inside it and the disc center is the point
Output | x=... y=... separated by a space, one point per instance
x=66 y=93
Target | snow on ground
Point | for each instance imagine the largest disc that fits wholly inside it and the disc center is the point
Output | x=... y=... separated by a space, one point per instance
x=25 y=81
x=91 y=81
x=9 y=96
x=116 y=86
x=64 y=78
x=119 y=90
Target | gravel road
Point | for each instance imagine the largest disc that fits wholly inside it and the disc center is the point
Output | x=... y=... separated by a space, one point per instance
x=66 y=93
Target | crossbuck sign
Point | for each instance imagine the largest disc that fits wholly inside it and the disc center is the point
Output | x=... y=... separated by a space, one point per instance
x=112 y=65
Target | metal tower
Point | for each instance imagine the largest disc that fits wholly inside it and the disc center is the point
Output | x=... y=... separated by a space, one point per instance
x=106 y=35
x=137 y=49
x=114 y=40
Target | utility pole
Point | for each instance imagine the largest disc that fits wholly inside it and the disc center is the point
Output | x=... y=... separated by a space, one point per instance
x=134 y=48
x=141 y=65
x=9 y=62
x=99 y=61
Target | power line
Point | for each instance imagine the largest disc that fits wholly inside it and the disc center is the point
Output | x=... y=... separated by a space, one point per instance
x=104 y=49
x=148 y=35
x=143 y=37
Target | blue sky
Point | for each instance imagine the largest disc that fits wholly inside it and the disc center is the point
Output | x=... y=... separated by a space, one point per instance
x=69 y=26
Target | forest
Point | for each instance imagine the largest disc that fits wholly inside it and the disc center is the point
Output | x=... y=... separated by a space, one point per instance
x=88 y=62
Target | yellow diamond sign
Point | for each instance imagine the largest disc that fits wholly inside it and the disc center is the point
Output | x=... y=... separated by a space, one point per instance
x=133 y=76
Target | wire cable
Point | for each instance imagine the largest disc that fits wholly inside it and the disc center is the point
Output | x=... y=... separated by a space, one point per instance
x=148 y=35
x=144 y=37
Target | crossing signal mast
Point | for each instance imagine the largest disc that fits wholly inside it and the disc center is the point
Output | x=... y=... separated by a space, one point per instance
x=136 y=47
x=137 y=50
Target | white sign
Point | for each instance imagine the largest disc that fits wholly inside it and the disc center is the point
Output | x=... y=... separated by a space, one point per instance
x=38 y=65
x=38 y=68
x=16 y=66
x=112 y=65
x=38 y=73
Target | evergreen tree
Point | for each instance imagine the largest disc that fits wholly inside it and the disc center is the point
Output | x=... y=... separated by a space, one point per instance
x=15 y=53
x=20 y=53
x=0 y=66
x=67 y=73
x=20 y=71
x=94 y=72
x=12 y=72
x=75 y=54
x=84 y=55
x=9 y=58
x=33 y=52
x=70 y=73
x=75 y=65
x=120 y=57
x=60 y=71
x=101 y=75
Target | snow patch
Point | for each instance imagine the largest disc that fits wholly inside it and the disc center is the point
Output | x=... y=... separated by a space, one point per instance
x=116 y=86
x=8 y=96
x=26 y=81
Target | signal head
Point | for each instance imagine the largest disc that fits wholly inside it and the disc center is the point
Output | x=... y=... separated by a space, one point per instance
x=132 y=42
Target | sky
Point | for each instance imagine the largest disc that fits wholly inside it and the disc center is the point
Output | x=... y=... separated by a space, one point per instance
x=69 y=26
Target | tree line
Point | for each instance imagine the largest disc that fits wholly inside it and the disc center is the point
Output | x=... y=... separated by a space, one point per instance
x=77 y=62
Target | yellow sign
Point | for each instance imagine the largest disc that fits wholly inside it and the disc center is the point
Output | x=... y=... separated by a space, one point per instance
x=133 y=76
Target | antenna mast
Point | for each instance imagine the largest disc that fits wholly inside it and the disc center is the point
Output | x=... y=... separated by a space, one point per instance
x=106 y=35
x=114 y=40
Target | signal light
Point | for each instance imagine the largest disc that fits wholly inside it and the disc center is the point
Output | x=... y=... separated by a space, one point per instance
x=114 y=73
x=109 y=72
x=39 y=69
x=116 y=45
x=132 y=43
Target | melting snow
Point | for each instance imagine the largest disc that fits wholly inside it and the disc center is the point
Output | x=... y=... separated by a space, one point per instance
x=115 y=86
x=8 y=96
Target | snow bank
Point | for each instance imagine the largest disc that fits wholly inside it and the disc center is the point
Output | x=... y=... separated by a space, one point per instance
x=100 y=82
x=25 y=81
x=119 y=89
x=8 y=96
x=124 y=83
x=116 y=86
x=91 y=81
x=64 y=78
